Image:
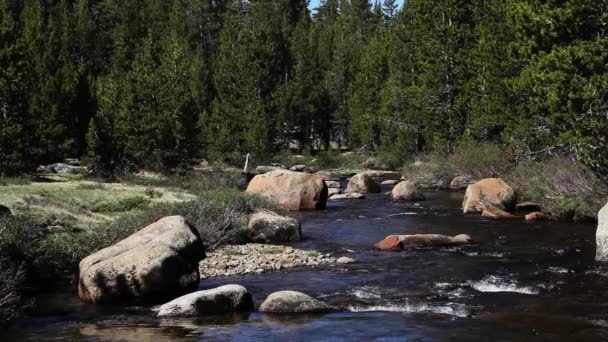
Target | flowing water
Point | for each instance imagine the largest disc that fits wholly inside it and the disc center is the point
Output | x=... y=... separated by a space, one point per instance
x=519 y=281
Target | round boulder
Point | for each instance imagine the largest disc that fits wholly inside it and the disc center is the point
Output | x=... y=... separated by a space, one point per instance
x=160 y=261
x=601 y=235
x=269 y=227
x=535 y=216
x=406 y=191
x=490 y=192
x=293 y=302
x=363 y=183
x=291 y=190
x=221 y=300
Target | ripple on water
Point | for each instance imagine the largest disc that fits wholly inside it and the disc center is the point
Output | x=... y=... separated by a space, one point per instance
x=452 y=309
x=494 y=283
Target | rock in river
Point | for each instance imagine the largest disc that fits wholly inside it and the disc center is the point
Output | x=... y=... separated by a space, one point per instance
x=406 y=191
x=535 y=216
x=352 y=195
x=488 y=192
x=221 y=300
x=363 y=183
x=293 y=302
x=461 y=182
x=291 y=190
x=495 y=213
x=269 y=227
x=397 y=242
x=601 y=235
x=158 y=262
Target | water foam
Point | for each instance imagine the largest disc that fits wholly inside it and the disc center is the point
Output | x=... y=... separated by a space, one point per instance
x=452 y=309
x=501 y=284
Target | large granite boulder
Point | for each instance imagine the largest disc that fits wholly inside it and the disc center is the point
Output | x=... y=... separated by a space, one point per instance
x=363 y=183
x=490 y=192
x=222 y=300
x=398 y=242
x=291 y=190
x=158 y=262
x=601 y=235
x=293 y=302
x=406 y=191
x=62 y=168
x=269 y=227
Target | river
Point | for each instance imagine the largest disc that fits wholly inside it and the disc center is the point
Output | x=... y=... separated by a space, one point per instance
x=519 y=281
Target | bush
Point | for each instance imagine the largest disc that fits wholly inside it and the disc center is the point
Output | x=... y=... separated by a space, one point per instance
x=565 y=187
x=480 y=160
x=391 y=159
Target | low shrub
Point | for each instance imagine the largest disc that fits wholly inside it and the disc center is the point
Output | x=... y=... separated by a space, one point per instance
x=391 y=159
x=123 y=205
x=480 y=160
x=565 y=187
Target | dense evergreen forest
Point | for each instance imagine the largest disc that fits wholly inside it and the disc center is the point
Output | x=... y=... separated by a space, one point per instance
x=157 y=83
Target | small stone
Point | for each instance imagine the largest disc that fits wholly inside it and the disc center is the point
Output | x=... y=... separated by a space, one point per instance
x=345 y=260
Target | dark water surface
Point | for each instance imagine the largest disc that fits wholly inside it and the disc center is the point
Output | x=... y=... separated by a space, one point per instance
x=520 y=282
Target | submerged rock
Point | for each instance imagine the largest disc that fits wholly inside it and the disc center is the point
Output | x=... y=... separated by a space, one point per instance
x=159 y=261
x=345 y=260
x=270 y=227
x=293 y=302
x=221 y=300
x=362 y=183
x=291 y=190
x=352 y=195
x=406 y=191
x=397 y=242
x=490 y=192
x=496 y=213
x=601 y=235
x=535 y=216
x=333 y=191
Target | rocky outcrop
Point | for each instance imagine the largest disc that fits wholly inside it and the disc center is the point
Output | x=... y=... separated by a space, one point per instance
x=158 y=262
x=291 y=190
x=62 y=168
x=535 y=216
x=461 y=182
x=406 y=191
x=601 y=235
x=221 y=300
x=363 y=183
x=293 y=302
x=490 y=192
x=269 y=227
x=352 y=195
x=398 y=242
x=496 y=213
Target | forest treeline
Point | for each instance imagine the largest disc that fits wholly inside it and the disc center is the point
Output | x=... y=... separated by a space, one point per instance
x=159 y=83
